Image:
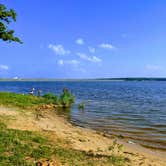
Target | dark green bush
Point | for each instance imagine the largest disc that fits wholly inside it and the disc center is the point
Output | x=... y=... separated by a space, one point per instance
x=66 y=99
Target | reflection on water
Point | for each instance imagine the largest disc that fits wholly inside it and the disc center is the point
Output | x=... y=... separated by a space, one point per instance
x=136 y=110
x=64 y=112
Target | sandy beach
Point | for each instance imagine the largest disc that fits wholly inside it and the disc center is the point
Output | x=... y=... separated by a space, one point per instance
x=57 y=127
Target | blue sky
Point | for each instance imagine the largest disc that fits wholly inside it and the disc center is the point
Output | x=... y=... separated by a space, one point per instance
x=86 y=39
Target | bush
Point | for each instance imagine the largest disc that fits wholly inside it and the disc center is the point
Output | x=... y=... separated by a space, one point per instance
x=66 y=99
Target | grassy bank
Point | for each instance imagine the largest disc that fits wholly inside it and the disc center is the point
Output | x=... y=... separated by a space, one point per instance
x=66 y=99
x=25 y=147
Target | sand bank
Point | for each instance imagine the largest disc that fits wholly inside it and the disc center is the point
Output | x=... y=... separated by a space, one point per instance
x=80 y=138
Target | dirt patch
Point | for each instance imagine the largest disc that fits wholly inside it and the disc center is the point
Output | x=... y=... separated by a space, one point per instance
x=8 y=111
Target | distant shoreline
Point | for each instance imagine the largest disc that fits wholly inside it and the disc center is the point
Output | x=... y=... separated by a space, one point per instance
x=88 y=79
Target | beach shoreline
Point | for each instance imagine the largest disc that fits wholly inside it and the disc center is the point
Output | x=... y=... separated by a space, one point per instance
x=120 y=136
x=82 y=139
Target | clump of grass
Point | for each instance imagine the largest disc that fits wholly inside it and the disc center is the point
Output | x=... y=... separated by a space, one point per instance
x=81 y=106
x=51 y=98
x=117 y=160
x=66 y=99
x=115 y=146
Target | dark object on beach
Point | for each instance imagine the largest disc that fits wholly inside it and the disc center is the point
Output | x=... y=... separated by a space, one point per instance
x=120 y=136
x=39 y=163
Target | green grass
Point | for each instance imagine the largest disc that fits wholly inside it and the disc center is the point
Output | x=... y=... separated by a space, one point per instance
x=20 y=100
x=19 y=148
x=25 y=147
x=26 y=101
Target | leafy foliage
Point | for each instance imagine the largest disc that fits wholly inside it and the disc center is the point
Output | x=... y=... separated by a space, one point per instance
x=6 y=17
x=66 y=99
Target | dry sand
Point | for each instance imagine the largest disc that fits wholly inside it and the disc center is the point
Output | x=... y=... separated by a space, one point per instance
x=80 y=138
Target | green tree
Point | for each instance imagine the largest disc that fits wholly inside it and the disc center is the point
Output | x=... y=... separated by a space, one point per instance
x=6 y=17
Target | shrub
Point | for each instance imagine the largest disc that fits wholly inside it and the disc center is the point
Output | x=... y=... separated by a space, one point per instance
x=66 y=99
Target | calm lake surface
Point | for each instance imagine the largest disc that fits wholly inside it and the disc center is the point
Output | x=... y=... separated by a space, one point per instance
x=136 y=110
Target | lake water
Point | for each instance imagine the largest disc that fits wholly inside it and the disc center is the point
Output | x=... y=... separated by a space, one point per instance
x=136 y=110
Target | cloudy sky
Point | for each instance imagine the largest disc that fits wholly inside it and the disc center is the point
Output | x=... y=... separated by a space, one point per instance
x=86 y=39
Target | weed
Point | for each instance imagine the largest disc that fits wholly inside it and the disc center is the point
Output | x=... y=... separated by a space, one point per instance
x=115 y=147
x=81 y=106
x=66 y=99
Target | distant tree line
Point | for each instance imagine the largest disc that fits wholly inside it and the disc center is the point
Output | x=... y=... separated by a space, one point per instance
x=134 y=79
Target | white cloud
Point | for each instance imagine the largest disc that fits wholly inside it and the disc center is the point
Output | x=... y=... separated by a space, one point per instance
x=91 y=49
x=68 y=62
x=58 y=49
x=80 y=41
x=60 y=62
x=154 y=67
x=96 y=59
x=74 y=65
x=89 y=58
x=107 y=46
x=15 y=78
x=4 y=67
